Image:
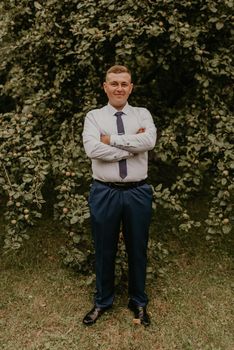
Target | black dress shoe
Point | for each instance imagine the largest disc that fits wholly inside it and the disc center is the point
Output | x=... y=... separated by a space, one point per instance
x=140 y=313
x=93 y=315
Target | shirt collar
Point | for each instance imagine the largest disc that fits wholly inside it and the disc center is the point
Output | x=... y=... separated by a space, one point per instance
x=113 y=110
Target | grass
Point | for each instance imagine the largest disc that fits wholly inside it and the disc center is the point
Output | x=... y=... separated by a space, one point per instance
x=42 y=304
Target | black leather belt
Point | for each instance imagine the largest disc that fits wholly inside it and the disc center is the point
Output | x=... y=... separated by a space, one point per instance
x=123 y=185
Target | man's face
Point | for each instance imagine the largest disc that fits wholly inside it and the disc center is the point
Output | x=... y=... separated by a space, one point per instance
x=118 y=87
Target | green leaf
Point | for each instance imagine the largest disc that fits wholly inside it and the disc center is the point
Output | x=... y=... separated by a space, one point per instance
x=74 y=220
x=76 y=239
x=90 y=280
x=219 y=25
x=158 y=188
x=226 y=229
x=27 y=178
x=37 y=5
x=206 y=83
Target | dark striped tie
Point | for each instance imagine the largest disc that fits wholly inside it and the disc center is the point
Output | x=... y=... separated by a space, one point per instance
x=120 y=129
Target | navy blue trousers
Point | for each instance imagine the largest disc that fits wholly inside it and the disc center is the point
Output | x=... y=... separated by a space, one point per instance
x=109 y=207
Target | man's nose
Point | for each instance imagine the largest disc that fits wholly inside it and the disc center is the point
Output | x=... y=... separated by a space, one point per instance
x=119 y=87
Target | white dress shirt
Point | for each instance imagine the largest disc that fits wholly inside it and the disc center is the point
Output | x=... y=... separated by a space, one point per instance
x=131 y=146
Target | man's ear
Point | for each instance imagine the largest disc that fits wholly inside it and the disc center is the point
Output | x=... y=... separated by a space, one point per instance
x=104 y=86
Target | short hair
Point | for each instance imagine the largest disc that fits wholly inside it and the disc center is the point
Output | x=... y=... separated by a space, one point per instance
x=118 y=69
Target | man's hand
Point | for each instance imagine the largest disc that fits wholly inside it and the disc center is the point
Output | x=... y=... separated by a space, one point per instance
x=141 y=130
x=105 y=139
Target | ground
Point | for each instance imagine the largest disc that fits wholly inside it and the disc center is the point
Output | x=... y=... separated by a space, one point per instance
x=42 y=303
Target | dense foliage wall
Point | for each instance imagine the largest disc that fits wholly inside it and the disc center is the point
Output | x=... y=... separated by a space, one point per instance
x=53 y=57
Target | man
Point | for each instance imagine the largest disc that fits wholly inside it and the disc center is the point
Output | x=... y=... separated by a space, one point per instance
x=117 y=138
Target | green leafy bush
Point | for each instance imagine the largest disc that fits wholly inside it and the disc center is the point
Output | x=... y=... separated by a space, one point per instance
x=52 y=60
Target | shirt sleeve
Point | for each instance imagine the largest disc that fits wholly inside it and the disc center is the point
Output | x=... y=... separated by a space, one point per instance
x=94 y=148
x=138 y=142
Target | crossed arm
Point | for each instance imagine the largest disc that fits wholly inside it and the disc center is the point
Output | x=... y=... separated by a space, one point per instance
x=106 y=138
x=112 y=148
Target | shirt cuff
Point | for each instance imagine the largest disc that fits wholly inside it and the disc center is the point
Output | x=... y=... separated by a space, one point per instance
x=115 y=140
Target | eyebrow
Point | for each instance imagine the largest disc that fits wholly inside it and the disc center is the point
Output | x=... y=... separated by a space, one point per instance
x=116 y=82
